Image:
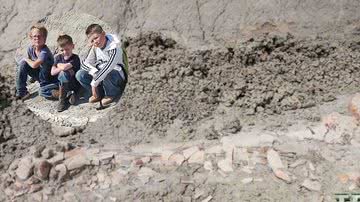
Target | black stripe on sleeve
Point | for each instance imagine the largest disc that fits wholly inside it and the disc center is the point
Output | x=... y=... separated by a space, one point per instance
x=108 y=65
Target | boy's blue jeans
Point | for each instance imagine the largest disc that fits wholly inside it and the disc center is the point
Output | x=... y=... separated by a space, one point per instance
x=113 y=85
x=23 y=70
x=68 y=77
x=63 y=77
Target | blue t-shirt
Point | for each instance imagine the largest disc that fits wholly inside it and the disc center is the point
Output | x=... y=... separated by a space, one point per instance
x=46 y=56
x=74 y=60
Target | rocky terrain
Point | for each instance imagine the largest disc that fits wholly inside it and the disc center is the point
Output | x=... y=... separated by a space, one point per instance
x=226 y=101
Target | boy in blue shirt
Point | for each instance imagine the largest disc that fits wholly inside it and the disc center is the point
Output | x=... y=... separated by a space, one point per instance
x=37 y=65
x=65 y=67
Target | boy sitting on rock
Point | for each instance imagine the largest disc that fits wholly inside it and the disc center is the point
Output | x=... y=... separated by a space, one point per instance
x=37 y=65
x=103 y=71
x=65 y=67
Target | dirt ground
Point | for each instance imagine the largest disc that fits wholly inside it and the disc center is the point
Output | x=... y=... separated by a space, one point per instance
x=266 y=119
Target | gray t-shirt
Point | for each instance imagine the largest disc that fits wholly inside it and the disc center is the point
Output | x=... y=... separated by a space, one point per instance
x=47 y=57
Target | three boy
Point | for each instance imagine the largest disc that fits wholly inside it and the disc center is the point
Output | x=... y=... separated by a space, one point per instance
x=103 y=73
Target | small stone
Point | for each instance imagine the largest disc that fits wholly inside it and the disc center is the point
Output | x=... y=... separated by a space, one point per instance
x=311 y=185
x=225 y=165
x=209 y=198
x=25 y=168
x=43 y=170
x=190 y=151
x=279 y=173
x=247 y=180
x=35 y=188
x=208 y=166
x=177 y=158
x=76 y=162
x=74 y=152
x=197 y=157
x=274 y=160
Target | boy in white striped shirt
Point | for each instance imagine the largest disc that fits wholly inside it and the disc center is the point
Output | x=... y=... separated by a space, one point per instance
x=103 y=72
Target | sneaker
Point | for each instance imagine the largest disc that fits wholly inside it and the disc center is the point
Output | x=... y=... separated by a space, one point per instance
x=55 y=94
x=23 y=97
x=107 y=100
x=93 y=99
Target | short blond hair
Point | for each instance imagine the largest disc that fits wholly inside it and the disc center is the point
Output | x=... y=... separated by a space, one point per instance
x=64 y=40
x=39 y=27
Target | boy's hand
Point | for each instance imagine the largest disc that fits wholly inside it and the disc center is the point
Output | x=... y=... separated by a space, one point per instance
x=92 y=72
x=34 y=64
x=61 y=66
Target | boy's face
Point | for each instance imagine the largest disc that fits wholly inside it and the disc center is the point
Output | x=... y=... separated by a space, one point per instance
x=97 y=40
x=67 y=49
x=37 y=39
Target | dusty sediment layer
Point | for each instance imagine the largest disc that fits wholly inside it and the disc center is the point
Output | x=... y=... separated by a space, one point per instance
x=266 y=75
